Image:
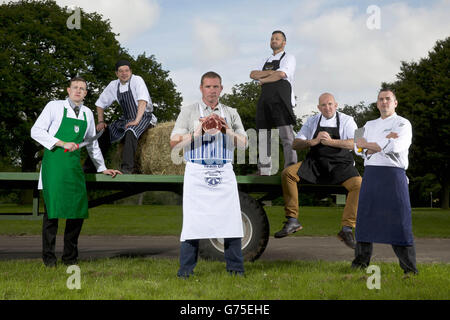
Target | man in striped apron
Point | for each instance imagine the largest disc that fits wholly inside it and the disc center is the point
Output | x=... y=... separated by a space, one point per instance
x=384 y=211
x=130 y=91
x=211 y=207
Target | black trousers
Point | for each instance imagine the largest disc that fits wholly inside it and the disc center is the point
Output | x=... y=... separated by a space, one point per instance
x=405 y=254
x=128 y=152
x=189 y=255
x=71 y=234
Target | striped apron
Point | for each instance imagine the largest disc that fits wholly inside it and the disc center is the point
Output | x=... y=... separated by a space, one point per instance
x=211 y=207
x=117 y=128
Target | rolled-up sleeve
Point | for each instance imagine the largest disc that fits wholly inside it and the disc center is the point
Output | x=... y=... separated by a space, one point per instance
x=107 y=97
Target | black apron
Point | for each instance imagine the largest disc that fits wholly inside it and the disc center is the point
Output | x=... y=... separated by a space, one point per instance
x=274 y=107
x=328 y=165
x=117 y=128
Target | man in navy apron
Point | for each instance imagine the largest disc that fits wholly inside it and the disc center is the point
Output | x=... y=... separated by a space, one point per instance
x=130 y=91
x=211 y=207
x=61 y=126
x=384 y=212
x=329 y=137
x=275 y=105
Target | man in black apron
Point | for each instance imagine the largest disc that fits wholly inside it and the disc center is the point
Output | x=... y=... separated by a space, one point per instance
x=275 y=105
x=329 y=135
x=131 y=93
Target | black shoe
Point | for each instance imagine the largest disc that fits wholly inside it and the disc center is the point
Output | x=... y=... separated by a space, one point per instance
x=70 y=262
x=347 y=237
x=359 y=266
x=50 y=264
x=290 y=226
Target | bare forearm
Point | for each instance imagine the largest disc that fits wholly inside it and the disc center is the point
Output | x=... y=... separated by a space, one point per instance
x=142 y=104
x=274 y=77
x=258 y=75
x=344 y=144
x=100 y=114
x=300 y=144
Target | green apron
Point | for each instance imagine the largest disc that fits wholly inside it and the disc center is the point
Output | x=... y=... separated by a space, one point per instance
x=63 y=180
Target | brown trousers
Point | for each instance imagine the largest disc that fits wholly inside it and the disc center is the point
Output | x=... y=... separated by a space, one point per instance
x=289 y=181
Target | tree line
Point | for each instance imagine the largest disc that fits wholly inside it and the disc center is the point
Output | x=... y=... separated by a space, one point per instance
x=40 y=54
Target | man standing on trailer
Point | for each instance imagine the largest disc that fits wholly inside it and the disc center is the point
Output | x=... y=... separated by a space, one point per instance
x=275 y=105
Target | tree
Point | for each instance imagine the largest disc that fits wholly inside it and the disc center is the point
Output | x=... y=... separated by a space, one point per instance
x=39 y=54
x=422 y=90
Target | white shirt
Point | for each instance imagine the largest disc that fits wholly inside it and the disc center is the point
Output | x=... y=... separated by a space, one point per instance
x=347 y=126
x=138 y=89
x=287 y=65
x=394 y=152
x=49 y=121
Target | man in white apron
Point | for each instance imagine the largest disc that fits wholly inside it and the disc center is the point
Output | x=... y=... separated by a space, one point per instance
x=384 y=211
x=277 y=100
x=61 y=126
x=211 y=207
x=131 y=92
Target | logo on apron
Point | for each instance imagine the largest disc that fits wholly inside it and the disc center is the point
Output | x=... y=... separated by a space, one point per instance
x=213 y=178
x=76 y=129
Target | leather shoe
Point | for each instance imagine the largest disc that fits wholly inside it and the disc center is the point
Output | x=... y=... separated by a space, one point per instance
x=290 y=226
x=347 y=237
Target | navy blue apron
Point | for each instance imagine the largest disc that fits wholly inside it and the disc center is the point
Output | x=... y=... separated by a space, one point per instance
x=384 y=209
x=269 y=114
x=328 y=165
x=117 y=128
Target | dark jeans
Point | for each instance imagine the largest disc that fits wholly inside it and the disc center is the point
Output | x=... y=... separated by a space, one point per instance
x=71 y=234
x=405 y=254
x=128 y=152
x=189 y=255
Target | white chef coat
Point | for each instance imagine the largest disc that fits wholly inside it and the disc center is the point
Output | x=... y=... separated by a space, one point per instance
x=394 y=152
x=347 y=126
x=138 y=89
x=287 y=65
x=49 y=121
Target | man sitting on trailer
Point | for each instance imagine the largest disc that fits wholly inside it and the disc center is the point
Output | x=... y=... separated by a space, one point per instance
x=329 y=137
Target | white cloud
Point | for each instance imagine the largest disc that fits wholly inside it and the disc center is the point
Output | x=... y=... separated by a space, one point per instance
x=210 y=42
x=341 y=55
x=128 y=18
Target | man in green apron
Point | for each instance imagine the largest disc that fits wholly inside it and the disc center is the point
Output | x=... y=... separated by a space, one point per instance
x=61 y=126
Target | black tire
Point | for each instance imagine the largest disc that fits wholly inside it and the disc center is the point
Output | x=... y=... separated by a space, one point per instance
x=256 y=233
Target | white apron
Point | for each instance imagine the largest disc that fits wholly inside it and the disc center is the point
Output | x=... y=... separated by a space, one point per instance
x=211 y=207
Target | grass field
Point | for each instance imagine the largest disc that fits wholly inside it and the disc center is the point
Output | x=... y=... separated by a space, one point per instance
x=150 y=278
x=142 y=278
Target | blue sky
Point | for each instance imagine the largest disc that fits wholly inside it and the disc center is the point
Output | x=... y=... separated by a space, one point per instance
x=335 y=50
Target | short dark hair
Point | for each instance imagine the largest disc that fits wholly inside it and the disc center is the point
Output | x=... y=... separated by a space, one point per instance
x=279 y=31
x=122 y=63
x=211 y=75
x=77 y=78
x=387 y=89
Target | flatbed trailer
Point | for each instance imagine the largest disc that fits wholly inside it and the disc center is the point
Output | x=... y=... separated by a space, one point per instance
x=255 y=222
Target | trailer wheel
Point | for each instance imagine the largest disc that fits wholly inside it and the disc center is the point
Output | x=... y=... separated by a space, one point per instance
x=256 y=233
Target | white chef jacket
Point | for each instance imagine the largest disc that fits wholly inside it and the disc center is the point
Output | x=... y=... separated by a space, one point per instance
x=347 y=126
x=138 y=89
x=394 y=152
x=49 y=121
x=287 y=65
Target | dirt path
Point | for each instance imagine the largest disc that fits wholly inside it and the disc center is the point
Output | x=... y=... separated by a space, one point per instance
x=289 y=248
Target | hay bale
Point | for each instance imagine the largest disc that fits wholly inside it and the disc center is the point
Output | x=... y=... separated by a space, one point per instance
x=153 y=154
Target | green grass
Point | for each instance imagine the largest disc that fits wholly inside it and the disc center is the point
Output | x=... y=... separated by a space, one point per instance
x=142 y=278
x=167 y=220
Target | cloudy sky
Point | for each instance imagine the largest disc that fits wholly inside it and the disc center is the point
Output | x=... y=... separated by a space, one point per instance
x=344 y=47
